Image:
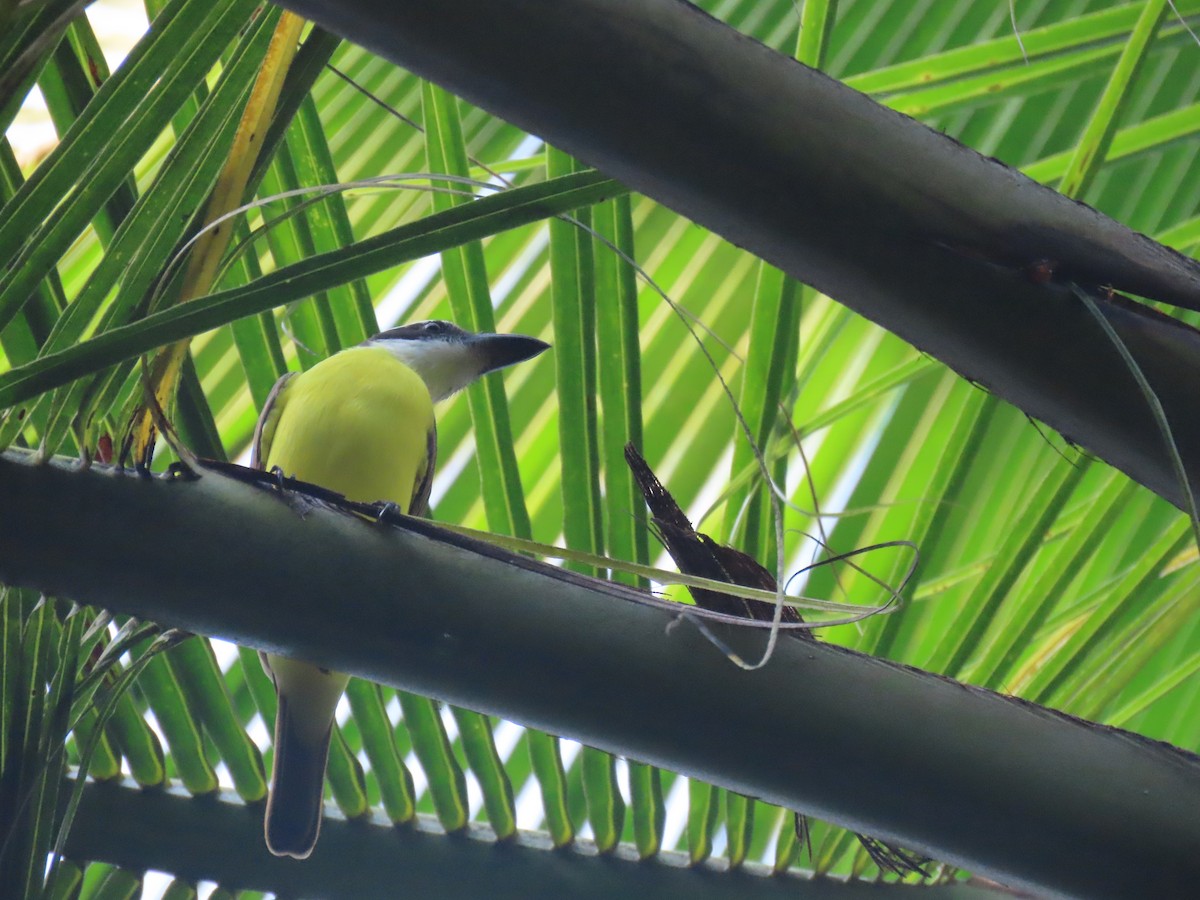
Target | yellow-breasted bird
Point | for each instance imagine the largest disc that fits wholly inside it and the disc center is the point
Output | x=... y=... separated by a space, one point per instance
x=360 y=423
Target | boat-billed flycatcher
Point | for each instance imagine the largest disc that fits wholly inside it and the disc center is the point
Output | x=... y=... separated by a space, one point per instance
x=361 y=423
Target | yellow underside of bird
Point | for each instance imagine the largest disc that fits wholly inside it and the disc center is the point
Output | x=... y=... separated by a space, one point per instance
x=357 y=423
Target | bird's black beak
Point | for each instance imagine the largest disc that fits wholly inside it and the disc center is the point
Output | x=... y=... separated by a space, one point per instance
x=499 y=350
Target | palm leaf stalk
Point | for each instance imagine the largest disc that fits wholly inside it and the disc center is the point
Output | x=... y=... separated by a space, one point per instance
x=833 y=733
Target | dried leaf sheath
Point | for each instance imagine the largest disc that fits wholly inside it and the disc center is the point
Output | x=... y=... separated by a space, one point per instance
x=698 y=554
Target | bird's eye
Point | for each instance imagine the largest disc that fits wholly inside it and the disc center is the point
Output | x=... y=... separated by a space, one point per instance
x=434 y=327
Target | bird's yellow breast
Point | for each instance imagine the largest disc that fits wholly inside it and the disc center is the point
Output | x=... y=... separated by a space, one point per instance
x=357 y=423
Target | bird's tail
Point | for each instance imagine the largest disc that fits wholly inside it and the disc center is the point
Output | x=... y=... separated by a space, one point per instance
x=297 y=788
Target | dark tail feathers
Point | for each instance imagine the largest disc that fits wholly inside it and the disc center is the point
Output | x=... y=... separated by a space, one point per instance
x=297 y=790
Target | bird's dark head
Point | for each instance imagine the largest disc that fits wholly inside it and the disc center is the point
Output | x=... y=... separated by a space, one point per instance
x=449 y=358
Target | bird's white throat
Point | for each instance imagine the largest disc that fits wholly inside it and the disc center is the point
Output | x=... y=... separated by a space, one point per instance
x=445 y=366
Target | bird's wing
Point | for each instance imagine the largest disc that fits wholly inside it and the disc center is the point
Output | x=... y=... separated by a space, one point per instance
x=268 y=419
x=419 y=506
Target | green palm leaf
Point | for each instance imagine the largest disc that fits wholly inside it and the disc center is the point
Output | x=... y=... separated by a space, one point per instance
x=1043 y=572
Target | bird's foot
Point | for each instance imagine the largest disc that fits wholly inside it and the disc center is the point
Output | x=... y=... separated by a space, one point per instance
x=387 y=510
